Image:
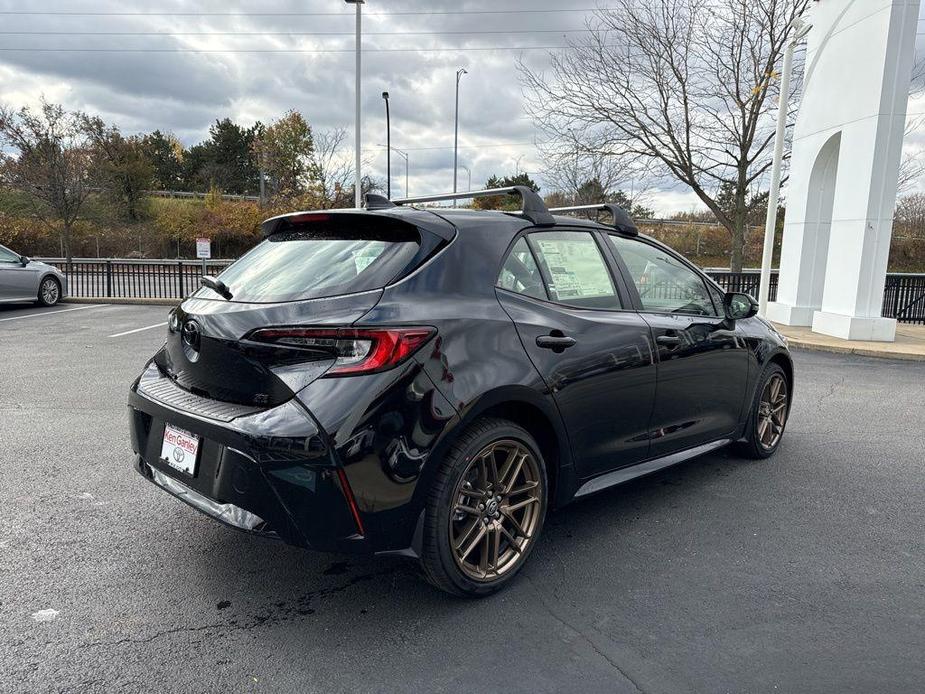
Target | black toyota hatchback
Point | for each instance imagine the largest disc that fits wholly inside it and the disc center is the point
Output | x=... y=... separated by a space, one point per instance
x=428 y=382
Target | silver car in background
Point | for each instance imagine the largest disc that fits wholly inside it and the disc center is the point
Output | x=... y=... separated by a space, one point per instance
x=22 y=279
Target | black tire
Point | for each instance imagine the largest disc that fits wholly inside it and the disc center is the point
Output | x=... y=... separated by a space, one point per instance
x=439 y=556
x=756 y=444
x=49 y=292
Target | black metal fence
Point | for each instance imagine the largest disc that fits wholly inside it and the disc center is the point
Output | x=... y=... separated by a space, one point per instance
x=746 y=281
x=134 y=279
x=903 y=297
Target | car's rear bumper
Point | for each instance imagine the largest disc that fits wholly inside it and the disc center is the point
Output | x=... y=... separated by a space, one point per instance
x=229 y=514
x=267 y=471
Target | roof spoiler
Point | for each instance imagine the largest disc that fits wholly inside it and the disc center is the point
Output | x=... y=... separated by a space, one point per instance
x=534 y=209
x=622 y=222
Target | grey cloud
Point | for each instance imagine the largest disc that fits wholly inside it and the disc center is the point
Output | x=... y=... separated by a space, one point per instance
x=186 y=92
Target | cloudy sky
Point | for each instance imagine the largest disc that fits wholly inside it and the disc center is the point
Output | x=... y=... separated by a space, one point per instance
x=198 y=60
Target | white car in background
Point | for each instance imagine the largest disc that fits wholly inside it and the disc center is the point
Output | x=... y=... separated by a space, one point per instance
x=22 y=279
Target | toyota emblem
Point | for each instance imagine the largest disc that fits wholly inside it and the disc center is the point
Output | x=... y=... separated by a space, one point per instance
x=191 y=335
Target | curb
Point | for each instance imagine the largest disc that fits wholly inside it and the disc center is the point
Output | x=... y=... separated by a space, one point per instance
x=120 y=300
x=856 y=351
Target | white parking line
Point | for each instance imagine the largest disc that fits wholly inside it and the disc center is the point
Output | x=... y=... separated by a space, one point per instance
x=49 y=313
x=138 y=330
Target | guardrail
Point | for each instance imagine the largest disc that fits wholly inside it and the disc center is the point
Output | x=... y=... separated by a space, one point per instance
x=903 y=296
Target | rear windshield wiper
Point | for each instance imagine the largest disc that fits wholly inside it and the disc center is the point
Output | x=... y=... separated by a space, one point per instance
x=217 y=286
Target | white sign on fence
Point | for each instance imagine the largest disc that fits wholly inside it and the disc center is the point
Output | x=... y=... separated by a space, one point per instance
x=203 y=248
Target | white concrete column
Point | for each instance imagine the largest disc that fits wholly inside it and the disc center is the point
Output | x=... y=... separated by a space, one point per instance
x=845 y=162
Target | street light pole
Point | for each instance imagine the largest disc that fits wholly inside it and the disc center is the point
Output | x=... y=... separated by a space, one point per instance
x=770 y=225
x=358 y=193
x=459 y=73
x=388 y=148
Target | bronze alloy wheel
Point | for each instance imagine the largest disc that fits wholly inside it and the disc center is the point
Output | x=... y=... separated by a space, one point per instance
x=497 y=510
x=772 y=411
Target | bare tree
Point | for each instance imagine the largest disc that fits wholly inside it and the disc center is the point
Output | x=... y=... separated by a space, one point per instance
x=583 y=176
x=331 y=171
x=52 y=163
x=909 y=217
x=687 y=85
x=912 y=166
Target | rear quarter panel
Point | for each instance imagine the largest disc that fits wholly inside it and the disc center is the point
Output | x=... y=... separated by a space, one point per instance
x=475 y=361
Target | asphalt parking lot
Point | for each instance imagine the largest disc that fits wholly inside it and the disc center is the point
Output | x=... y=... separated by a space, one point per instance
x=802 y=574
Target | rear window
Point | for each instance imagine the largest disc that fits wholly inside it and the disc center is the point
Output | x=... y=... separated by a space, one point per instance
x=310 y=264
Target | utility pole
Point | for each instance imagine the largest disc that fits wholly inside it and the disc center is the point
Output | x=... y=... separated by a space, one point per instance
x=459 y=73
x=358 y=192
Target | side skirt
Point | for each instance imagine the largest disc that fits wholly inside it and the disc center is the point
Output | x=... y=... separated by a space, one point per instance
x=633 y=471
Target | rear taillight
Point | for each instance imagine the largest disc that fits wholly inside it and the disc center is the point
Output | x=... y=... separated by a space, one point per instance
x=357 y=350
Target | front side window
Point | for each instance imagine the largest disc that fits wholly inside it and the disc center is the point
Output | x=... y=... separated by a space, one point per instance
x=575 y=271
x=664 y=283
x=7 y=256
x=520 y=273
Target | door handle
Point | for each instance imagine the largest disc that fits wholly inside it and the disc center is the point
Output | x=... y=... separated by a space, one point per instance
x=668 y=340
x=556 y=343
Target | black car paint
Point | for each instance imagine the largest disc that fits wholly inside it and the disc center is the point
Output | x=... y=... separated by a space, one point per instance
x=589 y=405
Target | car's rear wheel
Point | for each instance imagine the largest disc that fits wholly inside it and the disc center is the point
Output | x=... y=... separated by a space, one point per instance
x=49 y=292
x=768 y=417
x=485 y=510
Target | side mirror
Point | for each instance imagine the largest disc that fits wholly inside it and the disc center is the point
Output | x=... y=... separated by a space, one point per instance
x=24 y=260
x=739 y=306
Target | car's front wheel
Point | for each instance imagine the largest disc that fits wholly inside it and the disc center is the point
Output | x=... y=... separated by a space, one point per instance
x=768 y=417
x=485 y=509
x=49 y=292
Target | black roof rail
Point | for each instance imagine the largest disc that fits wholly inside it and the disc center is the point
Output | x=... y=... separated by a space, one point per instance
x=534 y=208
x=622 y=222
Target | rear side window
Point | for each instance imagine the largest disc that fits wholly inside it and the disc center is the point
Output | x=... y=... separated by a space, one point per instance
x=520 y=273
x=297 y=265
x=575 y=271
x=664 y=283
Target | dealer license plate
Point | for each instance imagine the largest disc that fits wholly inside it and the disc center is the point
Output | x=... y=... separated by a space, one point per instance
x=180 y=449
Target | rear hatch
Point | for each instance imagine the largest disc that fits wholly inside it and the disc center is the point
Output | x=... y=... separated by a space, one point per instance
x=316 y=271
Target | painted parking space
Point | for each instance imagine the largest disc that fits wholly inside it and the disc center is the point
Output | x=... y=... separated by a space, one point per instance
x=139 y=330
x=45 y=312
x=67 y=322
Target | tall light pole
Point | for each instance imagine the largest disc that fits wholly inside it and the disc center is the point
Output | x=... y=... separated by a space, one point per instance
x=800 y=29
x=358 y=193
x=459 y=73
x=388 y=148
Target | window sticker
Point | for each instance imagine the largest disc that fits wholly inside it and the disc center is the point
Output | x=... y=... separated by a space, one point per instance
x=366 y=257
x=576 y=268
